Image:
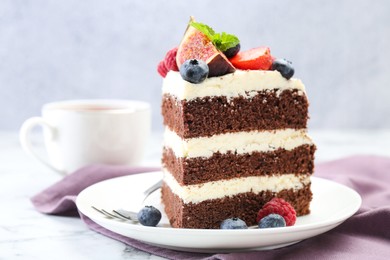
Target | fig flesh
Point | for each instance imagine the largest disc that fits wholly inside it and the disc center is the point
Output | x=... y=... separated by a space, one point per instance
x=196 y=45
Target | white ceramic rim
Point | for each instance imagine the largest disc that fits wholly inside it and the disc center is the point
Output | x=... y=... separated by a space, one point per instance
x=201 y=238
x=120 y=106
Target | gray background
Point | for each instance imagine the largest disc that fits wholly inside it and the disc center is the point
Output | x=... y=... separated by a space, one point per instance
x=54 y=50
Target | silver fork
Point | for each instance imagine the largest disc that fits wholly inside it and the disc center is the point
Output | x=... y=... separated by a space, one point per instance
x=119 y=214
x=126 y=215
x=152 y=189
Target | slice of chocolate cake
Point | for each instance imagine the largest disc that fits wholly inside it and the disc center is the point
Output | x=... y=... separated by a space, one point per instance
x=231 y=144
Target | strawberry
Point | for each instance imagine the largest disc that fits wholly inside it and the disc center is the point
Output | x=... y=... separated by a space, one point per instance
x=254 y=59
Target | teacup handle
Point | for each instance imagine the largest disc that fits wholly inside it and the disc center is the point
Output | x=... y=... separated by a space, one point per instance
x=24 y=137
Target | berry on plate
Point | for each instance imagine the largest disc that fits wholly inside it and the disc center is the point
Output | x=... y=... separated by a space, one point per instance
x=281 y=207
x=233 y=223
x=254 y=59
x=284 y=67
x=149 y=216
x=194 y=71
x=272 y=221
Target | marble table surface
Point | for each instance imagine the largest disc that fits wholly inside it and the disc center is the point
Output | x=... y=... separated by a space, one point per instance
x=27 y=234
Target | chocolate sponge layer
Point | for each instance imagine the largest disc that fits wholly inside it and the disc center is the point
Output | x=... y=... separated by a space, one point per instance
x=299 y=160
x=210 y=213
x=268 y=110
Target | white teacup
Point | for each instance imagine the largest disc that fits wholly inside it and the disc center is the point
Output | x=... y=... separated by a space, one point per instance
x=82 y=132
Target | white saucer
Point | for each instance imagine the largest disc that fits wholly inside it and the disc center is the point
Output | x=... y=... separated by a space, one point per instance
x=332 y=204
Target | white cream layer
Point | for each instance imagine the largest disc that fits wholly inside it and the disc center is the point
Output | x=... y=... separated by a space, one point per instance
x=240 y=143
x=218 y=189
x=244 y=83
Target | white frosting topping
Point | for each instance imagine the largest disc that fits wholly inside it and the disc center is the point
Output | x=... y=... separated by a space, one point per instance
x=218 y=189
x=244 y=83
x=240 y=142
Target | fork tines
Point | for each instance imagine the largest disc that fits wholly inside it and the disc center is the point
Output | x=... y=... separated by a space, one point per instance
x=114 y=215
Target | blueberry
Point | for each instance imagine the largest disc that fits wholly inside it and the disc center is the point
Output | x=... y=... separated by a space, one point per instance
x=194 y=71
x=149 y=216
x=233 y=223
x=271 y=221
x=284 y=67
x=231 y=52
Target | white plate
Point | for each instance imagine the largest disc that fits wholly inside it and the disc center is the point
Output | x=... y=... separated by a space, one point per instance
x=332 y=204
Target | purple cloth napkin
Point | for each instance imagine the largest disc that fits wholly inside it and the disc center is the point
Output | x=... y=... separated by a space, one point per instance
x=366 y=235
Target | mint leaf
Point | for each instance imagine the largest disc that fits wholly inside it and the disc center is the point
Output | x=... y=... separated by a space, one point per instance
x=223 y=41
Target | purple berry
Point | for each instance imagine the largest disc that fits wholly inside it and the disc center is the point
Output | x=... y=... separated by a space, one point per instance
x=272 y=221
x=284 y=67
x=194 y=71
x=149 y=216
x=231 y=52
x=233 y=223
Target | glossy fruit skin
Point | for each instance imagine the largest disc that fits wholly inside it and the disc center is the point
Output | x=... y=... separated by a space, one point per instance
x=233 y=223
x=231 y=52
x=254 y=59
x=284 y=67
x=149 y=216
x=194 y=71
x=272 y=221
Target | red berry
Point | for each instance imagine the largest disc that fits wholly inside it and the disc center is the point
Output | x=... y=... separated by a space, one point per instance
x=254 y=59
x=281 y=207
x=170 y=60
x=162 y=70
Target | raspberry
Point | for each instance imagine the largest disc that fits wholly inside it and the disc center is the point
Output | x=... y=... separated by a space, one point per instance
x=170 y=60
x=168 y=63
x=162 y=70
x=281 y=207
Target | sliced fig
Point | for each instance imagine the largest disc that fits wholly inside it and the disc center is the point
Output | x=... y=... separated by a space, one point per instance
x=196 y=45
